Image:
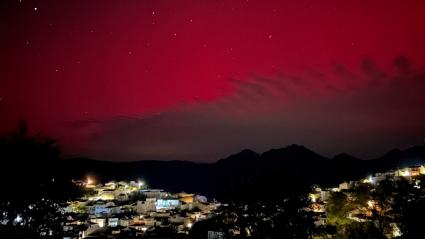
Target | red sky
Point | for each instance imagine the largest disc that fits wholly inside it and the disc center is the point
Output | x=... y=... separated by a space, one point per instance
x=154 y=73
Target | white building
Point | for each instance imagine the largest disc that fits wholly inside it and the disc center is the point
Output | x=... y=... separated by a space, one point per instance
x=99 y=221
x=154 y=193
x=113 y=222
x=324 y=195
x=149 y=205
x=102 y=208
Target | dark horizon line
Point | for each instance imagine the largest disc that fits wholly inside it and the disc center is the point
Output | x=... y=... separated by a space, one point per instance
x=81 y=157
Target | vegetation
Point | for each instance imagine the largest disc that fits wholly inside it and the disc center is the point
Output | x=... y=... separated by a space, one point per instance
x=137 y=196
x=390 y=208
x=280 y=219
x=337 y=209
x=34 y=192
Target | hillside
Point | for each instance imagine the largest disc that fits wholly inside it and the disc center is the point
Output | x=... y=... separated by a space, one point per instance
x=247 y=174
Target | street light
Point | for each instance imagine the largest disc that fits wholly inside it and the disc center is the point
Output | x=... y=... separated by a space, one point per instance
x=89 y=181
x=140 y=184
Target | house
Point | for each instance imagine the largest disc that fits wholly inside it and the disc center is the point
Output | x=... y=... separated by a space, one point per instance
x=320 y=219
x=186 y=197
x=149 y=221
x=215 y=235
x=101 y=208
x=125 y=221
x=154 y=193
x=344 y=186
x=324 y=195
x=87 y=229
x=169 y=203
x=101 y=221
x=113 y=222
x=149 y=205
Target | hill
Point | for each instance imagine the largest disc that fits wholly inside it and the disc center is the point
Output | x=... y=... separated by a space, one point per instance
x=246 y=175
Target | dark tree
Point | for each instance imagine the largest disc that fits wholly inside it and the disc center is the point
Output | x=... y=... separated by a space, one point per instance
x=412 y=219
x=33 y=190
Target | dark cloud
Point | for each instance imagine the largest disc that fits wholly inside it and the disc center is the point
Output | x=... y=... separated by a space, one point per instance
x=366 y=113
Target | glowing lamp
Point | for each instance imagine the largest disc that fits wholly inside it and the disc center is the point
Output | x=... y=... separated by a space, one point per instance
x=140 y=183
x=312 y=197
x=89 y=181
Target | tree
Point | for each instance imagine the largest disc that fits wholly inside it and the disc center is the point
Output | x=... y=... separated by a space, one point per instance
x=337 y=209
x=363 y=230
x=293 y=221
x=33 y=190
x=411 y=221
x=362 y=194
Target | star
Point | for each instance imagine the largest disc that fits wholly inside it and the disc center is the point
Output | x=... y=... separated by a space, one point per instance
x=35 y=9
x=270 y=36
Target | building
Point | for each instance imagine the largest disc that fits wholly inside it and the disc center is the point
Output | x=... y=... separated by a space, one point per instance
x=149 y=205
x=154 y=193
x=167 y=204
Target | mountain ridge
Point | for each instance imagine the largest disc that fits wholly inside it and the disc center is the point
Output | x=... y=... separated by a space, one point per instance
x=246 y=173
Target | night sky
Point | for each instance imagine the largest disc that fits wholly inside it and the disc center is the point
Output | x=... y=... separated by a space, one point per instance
x=199 y=80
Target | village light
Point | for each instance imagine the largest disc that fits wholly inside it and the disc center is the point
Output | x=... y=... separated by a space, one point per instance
x=189 y=225
x=89 y=181
x=18 y=219
x=405 y=173
x=312 y=197
x=369 y=180
x=396 y=231
x=370 y=203
x=417 y=184
x=140 y=183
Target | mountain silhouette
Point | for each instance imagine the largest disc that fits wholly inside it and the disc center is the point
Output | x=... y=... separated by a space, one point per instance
x=243 y=156
x=247 y=174
x=344 y=157
x=292 y=153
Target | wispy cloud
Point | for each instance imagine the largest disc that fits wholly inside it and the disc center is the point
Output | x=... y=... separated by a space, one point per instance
x=363 y=113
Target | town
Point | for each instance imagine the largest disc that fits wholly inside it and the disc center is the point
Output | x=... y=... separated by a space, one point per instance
x=376 y=204
x=131 y=209
x=369 y=206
